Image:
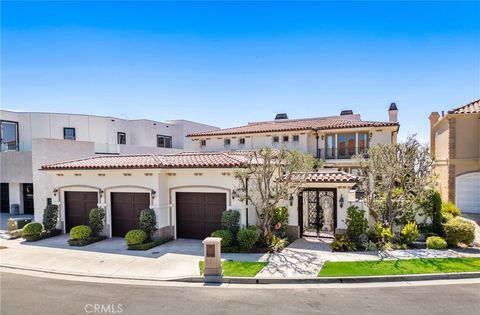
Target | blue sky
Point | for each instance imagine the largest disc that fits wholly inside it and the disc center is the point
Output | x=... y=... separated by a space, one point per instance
x=229 y=63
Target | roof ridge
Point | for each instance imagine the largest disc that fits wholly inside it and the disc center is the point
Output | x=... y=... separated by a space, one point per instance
x=452 y=111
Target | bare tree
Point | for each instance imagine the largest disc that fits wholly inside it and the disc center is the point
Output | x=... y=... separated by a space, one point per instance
x=272 y=176
x=395 y=179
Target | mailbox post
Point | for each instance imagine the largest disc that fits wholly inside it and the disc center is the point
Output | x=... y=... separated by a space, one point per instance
x=212 y=253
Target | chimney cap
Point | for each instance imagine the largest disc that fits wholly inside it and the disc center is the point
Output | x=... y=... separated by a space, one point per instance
x=393 y=106
x=346 y=112
x=281 y=116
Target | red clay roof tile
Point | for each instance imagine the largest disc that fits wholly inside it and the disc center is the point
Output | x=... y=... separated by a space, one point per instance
x=470 y=108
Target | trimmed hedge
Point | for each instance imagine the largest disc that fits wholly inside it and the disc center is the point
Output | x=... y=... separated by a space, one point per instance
x=136 y=237
x=88 y=240
x=96 y=220
x=449 y=207
x=149 y=245
x=231 y=220
x=50 y=217
x=436 y=242
x=32 y=229
x=458 y=230
x=148 y=221
x=247 y=238
x=80 y=232
x=226 y=236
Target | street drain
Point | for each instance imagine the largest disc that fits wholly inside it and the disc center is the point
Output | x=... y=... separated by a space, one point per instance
x=154 y=253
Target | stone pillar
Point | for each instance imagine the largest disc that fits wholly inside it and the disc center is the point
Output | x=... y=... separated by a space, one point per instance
x=212 y=255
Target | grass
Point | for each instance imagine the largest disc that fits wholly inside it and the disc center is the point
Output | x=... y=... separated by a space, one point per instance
x=238 y=268
x=399 y=267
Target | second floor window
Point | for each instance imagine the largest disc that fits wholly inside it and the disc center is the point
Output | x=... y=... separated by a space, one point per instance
x=275 y=139
x=121 y=138
x=226 y=142
x=295 y=138
x=164 y=141
x=203 y=143
x=241 y=141
x=362 y=142
x=69 y=133
x=330 y=147
x=285 y=138
x=9 y=135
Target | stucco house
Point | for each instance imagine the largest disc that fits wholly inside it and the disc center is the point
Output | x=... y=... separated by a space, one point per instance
x=455 y=146
x=190 y=190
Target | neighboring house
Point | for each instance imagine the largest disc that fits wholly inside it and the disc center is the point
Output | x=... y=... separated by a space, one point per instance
x=455 y=146
x=335 y=139
x=30 y=140
x=189 y=191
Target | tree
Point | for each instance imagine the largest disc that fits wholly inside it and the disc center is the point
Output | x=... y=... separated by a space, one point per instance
x=271 y=176
x=396 y=179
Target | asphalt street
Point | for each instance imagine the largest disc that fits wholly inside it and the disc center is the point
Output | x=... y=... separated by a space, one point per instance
x=21 y=294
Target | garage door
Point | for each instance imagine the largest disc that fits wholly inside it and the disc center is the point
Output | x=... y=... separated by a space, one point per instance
x=199 y=214
x=126 y=208
x=467 y=190
x=77 y=207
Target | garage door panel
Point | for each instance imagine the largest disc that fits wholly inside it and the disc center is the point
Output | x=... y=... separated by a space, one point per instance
x=77 y=207
x=467 y=190
x=126 y=208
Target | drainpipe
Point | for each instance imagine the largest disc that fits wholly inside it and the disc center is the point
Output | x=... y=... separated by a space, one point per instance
x=316 y=136
x=246 y=200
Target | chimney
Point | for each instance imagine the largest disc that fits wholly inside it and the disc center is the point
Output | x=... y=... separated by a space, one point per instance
x=434 y=117
x=346 y=112
x=281 y=116
x=393 y=113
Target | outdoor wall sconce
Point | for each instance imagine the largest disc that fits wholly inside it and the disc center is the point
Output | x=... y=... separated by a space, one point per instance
x=370 y=135
x=153 y=192
x=234 y=194
x=55 y=191
x=341 y=201
x=291 y=200
x=101 y=192
x=323 y=137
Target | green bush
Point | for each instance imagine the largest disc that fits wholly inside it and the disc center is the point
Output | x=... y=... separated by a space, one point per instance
x=278 y=244
x=410 y=233
x=458 y=230
x=279 y=220
x=226 y=236
x=148 y=221
x=247 y=238
x=356 y=223
x=432 y=207
x=342 y=243
x=449 y=207
x=50 y=217
x=136 y=237
x=436 y=242
x=32 y=229
x=446 y=216
x=80 y=232
x=375 y=232
x=231 y=221
x=96 y=220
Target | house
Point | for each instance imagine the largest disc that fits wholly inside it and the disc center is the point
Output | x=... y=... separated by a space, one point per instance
x=30 y=140
x=190 y=190
x=455 y=146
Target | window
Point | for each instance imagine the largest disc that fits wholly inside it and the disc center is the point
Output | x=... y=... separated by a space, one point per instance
x=121 y=138
x=69 y=133
x=362 y=142
x=330 y=147
x=275 y=139
x=203 y=143
x=9 y=135
x=285 y=138
x=295 y=138
x=164 y=141
x=226 y=142
x=346 y=145
x=241 y=141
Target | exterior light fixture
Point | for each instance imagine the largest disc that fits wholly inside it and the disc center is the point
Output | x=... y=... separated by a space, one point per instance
x=55 y=191
x=234 y=194
x=153 y=192
x=341 y=201
x=101 y=192
x=291 y=200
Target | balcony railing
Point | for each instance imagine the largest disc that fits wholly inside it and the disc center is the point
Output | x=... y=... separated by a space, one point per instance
x=341 y=153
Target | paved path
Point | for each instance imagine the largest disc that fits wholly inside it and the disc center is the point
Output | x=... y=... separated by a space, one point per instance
x=32 y=295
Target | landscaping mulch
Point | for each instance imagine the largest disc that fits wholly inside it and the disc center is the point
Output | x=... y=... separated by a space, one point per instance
x=85 y=242
x=149 y=245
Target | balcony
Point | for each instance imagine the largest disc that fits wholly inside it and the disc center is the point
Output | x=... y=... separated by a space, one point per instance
x=341 y=153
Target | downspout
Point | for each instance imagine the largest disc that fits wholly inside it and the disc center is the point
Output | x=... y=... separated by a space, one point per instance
x=316 y=136
x=246 y=200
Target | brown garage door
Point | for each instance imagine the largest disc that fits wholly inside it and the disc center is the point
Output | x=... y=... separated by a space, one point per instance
x=199 y=214
x=77 y=207
x=126 y=208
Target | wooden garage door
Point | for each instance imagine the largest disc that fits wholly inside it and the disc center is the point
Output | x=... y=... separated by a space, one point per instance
x=199 y=214
x=77 y=207
x=126 y=208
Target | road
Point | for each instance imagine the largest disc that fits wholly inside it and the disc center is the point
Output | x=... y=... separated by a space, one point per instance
x=21 y=294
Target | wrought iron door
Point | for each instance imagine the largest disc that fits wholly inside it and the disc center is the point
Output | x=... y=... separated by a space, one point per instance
x=318 y=212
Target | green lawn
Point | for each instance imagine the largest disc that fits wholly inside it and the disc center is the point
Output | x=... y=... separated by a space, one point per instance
x=399 y=267
x=238 y=268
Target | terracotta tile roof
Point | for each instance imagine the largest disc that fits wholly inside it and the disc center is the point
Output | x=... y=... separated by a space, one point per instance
x=470 y=108
x=295 y=125
x=181 y=160
x=329 y=176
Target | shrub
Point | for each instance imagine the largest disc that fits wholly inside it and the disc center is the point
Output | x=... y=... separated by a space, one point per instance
x=136 y=237
x=369 y=246
x=458 y=230
x=32 y=229
x=230 y=221
x=410 y=233
x=279 y=220
x=449 y=207
x=50 y=217
x=356 y=223
x=278 y=244
x=432 y=207
x=436 y=242
x=446 y=216
x=247 y=238
x=96 y=220
x=342 y=243
x=386 y=234
x=375 y=232
x=80 y=232
x=148 y=221
x=226 y=235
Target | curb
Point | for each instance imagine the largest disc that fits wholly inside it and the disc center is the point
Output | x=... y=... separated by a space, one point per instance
x=252 y=280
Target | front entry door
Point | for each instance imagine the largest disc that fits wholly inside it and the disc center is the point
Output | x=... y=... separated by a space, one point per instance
x=317 y=210
x=28 y=198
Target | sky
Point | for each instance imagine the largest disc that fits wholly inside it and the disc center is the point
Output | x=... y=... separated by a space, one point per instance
x=229 y=63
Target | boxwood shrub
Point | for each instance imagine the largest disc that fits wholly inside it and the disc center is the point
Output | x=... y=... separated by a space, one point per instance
x=449 y=207
x=32 y=229
x=458 y=230
x=226 y=235
x=96 y=220
x=231 y=221
x=80 y=232
x=136 y=237
x=50 y=217
x=148 y=221
x=247 y=238
x=436 y=242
